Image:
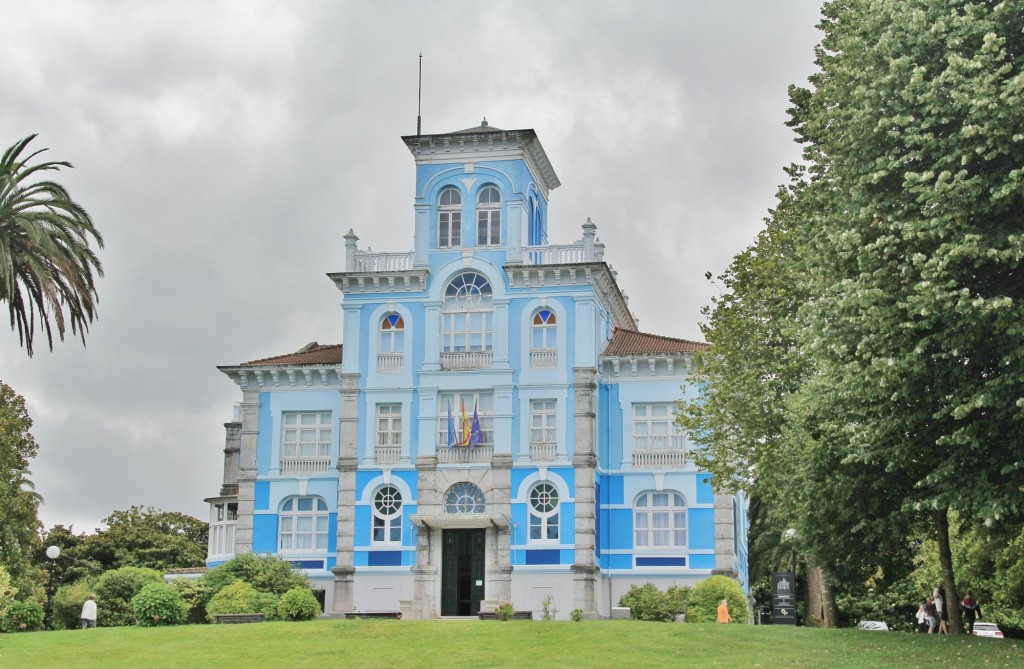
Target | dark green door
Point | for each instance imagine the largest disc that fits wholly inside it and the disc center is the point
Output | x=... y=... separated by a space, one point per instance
x=462 y=572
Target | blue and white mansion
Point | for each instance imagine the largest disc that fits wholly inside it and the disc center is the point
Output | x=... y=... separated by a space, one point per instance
x=493 y=427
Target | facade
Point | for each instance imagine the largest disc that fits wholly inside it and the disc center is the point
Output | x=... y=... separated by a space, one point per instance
x=493 y=428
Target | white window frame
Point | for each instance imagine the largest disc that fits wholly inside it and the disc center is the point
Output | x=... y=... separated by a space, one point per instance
x=543 y=503
x=296 y=444
x=655 y=428
x=223 y=519
x=392 y=337
x=389 y=425
x=387 y=516
x=303 y=530
x=488 y=216
x=467 y=323
x=660 y=521
x=543 y=421
x=449 y=218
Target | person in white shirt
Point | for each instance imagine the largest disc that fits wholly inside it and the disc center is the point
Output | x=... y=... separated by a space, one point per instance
x=89 y=612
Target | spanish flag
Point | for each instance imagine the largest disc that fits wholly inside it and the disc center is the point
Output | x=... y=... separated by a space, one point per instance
x=466 y=429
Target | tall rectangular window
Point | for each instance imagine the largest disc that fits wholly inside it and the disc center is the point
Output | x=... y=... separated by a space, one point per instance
x=654 y=427
x=484 y=403
x=389 y=425
x=543 y=420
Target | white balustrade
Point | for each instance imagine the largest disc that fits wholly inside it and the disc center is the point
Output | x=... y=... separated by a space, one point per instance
x=544 y=358
x=390 y=363
x=660 y=451
x=387 y=455
x=315 y=465
x=382 y=262
x=542 y=451
x=464 y=455
x=466 y=360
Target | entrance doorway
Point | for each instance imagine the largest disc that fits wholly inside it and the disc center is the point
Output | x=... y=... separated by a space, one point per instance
x=462 y=572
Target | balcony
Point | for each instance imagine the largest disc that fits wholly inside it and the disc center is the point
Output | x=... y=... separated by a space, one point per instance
x=311 y=465
x=542 y=452
x=466 y=360
x=448 y=455
x=387 y=455
x=390 y=363
x=659 y=452
x=544 y=358
x=368 y=261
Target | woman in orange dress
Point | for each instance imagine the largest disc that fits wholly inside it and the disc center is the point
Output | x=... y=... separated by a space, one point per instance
x=723 y=612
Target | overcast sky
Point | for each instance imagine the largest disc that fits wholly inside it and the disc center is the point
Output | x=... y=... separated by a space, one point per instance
x=224 y=148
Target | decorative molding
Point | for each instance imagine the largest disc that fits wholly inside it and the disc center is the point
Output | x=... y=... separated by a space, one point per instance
x=255 y=378
x=380 y=282
x=596 y=274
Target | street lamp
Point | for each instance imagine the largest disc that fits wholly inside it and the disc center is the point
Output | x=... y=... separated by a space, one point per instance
x=52 y=553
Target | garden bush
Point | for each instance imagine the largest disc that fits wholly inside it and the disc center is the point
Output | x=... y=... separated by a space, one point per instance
x=7 y=591
x=195 y=593
x=703 y=600
x=159 y=604
x=114 y=592
x=264 y=573
x=298 y=604
x=23 y=617
x=647 y=602
x=66 y=606
x=240 y=597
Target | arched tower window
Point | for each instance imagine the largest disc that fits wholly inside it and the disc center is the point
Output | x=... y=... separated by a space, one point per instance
x=467 y=322
x=464 y=498
x=543 y=512
x=659 y=520
x=387 y=515
x=392 y=344
x=488 y=217
x=543 y=345
x=449 y=218
x=303 y=524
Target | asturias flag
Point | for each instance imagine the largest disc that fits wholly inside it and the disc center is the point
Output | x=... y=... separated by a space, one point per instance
x=475 y=435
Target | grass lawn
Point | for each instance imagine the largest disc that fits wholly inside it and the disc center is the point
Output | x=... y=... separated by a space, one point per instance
x=619 y=644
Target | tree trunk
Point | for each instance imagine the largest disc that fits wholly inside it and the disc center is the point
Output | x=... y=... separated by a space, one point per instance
x=830 y=610
x=812 y=615
x=952 y=603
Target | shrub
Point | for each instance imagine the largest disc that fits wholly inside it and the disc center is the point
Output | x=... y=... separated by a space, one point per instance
x=646 y=602
x=505 y=612
x=66 y=606
x=548 y=608
x=195 y=593
x=114 y=592
x=159 y=604
x=7 y=591
x=576 y=615
x=702 y=602
x=23 y=617
x=264 y=573
x=298 y=604
x=240 y=597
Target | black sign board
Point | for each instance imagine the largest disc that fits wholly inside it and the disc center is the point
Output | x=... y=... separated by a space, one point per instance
x=784 y=598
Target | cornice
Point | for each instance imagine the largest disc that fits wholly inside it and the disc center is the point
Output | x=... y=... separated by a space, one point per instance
x=409 y=281
x=283 y=376
x=595 y=274
x=664 y=365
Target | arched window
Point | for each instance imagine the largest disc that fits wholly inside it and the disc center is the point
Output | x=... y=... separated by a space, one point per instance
x=387 y=515
x=543 y=346
x=543 y=512
x=449 y=218
x=488 y=217
x=467 y=320
x=392 y=344
x=464 y=498
x=303 y=524
x=659 y=520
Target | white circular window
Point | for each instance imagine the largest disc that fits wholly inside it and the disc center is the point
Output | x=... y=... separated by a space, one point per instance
x=464 y=498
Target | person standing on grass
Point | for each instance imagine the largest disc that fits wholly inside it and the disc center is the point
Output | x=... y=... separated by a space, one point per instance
x=931 y=615
x=940 y=607
x=89 y=612
x=723 y=612
x=971 y=611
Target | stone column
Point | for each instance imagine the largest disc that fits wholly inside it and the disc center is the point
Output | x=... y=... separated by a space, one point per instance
x=247 y=437
x=725 y=533
x=427 y=568
x=499 y=569
x=232 y=453
x=585 y=462
x=344 y=570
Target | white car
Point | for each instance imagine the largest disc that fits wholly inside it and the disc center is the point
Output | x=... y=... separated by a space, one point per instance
x=990 y=630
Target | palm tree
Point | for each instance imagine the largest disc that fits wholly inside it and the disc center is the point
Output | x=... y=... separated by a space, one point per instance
x=46 y=264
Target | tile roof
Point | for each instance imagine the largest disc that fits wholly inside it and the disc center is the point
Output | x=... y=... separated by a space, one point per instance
x=310 y=354
x=631 y=342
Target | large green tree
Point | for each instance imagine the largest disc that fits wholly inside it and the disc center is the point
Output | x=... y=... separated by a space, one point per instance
x=46 y=263
x=146 y=537
x=914 y=123
x=19 y=525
